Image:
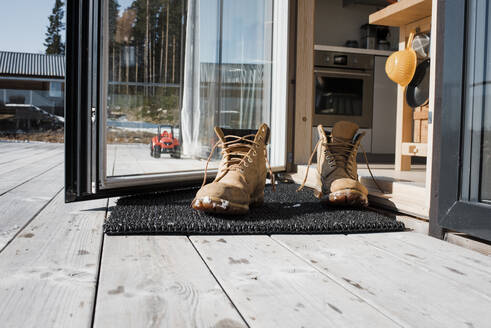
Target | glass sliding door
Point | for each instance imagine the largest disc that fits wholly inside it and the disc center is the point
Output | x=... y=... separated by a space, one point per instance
x=485 y=174
x=462 y=174
x=228 y=64
x=477 y=92
x=219 y=75
x=143 y=85
x=167 y=73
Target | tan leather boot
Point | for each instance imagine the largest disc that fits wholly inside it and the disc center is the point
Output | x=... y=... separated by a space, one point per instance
x=241 y=175
x=336 y=165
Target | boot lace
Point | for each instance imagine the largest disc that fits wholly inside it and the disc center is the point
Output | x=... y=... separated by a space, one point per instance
x=236 y=157
x=337 y=153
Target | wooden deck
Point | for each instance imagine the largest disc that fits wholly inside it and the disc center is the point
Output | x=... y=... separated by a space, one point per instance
x=57 y=269
x=129 y=159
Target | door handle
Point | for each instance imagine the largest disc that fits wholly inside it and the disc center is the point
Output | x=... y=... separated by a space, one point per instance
x=325 y=72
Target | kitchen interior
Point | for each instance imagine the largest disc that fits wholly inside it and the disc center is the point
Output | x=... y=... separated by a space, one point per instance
x=342 y=52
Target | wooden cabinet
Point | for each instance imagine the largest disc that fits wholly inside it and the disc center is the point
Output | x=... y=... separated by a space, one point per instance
x=414 y=128
x=402 y=13
x=304 y=99
x=409 y=16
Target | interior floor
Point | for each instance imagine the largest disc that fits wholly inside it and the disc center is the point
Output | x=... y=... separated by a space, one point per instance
x=403 y=191
x=58 y=267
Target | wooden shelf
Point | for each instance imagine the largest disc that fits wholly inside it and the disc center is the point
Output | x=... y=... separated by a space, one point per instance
x=414 y=149
x=402 y=13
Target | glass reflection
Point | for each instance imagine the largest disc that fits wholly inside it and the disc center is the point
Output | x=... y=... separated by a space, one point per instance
x=178 y=68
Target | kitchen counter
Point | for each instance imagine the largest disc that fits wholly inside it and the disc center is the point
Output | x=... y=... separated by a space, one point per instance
x=374 y=52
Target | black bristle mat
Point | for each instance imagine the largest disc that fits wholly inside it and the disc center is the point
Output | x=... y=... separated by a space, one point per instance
x=285 y=211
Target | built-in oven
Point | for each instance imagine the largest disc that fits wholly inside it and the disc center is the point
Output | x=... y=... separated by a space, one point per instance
x=343 y=88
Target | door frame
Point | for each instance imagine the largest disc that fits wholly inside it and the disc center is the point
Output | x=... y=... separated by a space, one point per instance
x=448 y=209
x=78 y=101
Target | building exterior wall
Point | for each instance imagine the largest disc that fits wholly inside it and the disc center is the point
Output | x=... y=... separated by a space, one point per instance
x=29 y=103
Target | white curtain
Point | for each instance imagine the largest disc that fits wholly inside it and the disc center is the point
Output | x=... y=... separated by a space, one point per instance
x=228 y=81
x=191 y=110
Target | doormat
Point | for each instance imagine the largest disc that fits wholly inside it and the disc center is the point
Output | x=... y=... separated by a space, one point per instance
x=285 y=211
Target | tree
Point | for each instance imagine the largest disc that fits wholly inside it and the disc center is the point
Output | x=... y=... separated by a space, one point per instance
x=145 y=33
x=113 y=12
x=53 y=43
x=123 y=37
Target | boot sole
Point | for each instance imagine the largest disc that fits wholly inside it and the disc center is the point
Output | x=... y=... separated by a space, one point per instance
x=347 y=197
x=223 y=206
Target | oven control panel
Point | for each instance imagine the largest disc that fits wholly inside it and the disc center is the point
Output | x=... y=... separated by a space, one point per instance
x=343 y=60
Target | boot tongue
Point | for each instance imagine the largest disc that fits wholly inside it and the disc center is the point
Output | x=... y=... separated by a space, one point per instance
x=344 y=130
x=222 y=134
x=237 y=132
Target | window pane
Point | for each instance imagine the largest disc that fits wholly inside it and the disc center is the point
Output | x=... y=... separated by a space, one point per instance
x=32 y=100
x=162 y=85
x=486 y=121
x=338 y=96
x=486 y=150
x=477 y=141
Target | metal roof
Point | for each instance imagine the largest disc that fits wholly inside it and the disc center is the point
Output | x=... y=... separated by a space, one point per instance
x=28 y=64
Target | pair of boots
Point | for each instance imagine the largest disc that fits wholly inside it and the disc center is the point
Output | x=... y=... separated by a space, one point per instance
x=242 y=172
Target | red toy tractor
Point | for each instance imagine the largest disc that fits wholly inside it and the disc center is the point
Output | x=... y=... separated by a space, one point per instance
x=165 y=143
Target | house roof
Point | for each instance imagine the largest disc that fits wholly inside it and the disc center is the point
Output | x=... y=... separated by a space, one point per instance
x=33 y=65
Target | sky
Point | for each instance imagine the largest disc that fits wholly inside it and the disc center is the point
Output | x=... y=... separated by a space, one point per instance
x=23 y=24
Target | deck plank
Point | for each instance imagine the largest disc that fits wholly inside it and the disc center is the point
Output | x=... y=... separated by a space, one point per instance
x=445 y=249
x=13 y=147
x=34 y=158
x=271 y=287
x=20 y=205
x=474 y=275
x=49 y=271
x=18 y=175
x=408 y=292
x=22 y=155
x=159 y=281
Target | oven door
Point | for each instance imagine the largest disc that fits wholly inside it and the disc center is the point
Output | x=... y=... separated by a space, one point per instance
x=343 y=95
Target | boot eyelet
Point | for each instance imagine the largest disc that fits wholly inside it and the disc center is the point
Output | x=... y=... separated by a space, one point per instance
x=245 y=164
x=249 y=159
x=254 y=153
